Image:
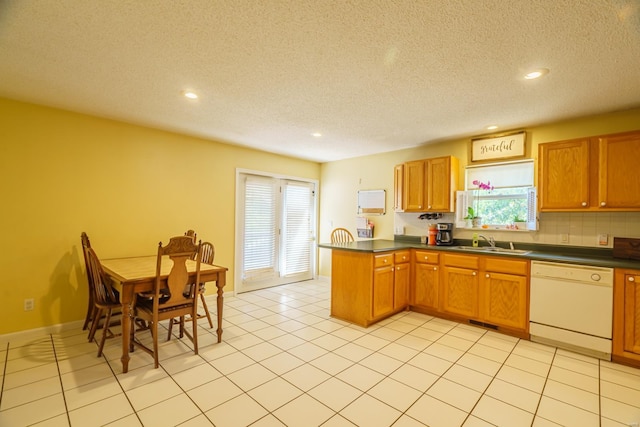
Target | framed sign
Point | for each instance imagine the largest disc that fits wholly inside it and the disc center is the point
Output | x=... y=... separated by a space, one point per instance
x=505 y=146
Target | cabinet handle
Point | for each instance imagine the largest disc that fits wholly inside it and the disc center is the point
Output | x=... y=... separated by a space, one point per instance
x=603 y=204
x=404 y=257
x=426 y=258
x=584 y=203
x=487 y=275
x=398 y=268
x=632 y=279
x=474 y=273
x=435 y=268
x=385 y=261
x=429 y=207
x=420 y=206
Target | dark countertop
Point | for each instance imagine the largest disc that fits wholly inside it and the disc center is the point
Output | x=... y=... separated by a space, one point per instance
x=564 y=254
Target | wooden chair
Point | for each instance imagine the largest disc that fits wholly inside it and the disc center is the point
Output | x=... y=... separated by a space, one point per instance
x=84 y=239
x=94 y=314
x=207 y=256
x=105 y=299
x=341 y=235
x=177 y=297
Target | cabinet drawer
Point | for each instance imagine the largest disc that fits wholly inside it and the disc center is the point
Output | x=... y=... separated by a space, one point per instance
x=401 y=256
x=508 y=266
x=425 y=257
x=464 y=261
x=383 y=260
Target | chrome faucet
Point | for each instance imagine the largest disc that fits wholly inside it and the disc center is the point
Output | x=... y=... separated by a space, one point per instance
x=491 y=240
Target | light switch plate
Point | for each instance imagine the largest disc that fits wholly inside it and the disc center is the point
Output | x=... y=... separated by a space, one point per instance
x=564 y=238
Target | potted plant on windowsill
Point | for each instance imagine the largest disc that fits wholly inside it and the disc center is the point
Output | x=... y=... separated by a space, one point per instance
x=520 y=223
x=473 y=220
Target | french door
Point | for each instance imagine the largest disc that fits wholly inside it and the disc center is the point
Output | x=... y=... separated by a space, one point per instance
x=275 y=233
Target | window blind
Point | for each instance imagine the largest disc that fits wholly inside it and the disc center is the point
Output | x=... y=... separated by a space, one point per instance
x=260 y=226
x=501 y=175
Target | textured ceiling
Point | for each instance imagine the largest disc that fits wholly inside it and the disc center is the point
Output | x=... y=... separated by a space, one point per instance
x=371 y=75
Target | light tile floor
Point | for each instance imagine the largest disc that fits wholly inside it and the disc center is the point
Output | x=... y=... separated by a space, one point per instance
x=284 y=361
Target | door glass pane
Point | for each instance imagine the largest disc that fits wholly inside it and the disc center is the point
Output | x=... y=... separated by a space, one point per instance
x=298 y=202
x=260 y=226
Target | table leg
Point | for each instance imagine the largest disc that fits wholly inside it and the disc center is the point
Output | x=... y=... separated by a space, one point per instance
x=220 y=285
x=126 y=297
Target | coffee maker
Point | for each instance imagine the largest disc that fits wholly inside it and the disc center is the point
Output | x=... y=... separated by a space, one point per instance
x=445 y=234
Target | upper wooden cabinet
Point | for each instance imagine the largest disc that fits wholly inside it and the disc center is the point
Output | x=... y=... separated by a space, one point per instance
x=428 y=185
x=590 y=174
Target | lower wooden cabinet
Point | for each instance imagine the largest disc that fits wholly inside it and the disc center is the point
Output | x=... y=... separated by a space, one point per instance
x=367 y=287
x=426 y=280
x=490 y=291
x=505 y=292
x=401 y=280
x=460 y=282
x=626 y=317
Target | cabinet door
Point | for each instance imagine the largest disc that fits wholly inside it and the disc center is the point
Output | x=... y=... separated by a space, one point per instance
x=460 y=291
x=426 y=283
x=401 y=278
x=414 y=190
x=619 y=179
x=398 y=188
x=382 y=291
x=563 y=175
x=504 y=300
x=632 y=313
x=438 y=185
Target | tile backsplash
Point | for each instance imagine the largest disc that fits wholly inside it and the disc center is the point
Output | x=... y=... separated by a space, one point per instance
x=581 y=229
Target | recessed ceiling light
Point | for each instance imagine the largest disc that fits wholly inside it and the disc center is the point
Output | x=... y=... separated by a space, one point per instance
x=316 y=134
x=536 y=73
x=190 y=95
x=492 y=127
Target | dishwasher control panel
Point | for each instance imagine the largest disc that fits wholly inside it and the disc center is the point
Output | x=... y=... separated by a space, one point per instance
x=572 y=272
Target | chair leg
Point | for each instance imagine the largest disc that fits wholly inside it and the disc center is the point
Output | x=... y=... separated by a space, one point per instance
x=105 y=329
x=154 y=332
x=97 y=314
x=195 y=333
x=206 y=309
x=171 y=321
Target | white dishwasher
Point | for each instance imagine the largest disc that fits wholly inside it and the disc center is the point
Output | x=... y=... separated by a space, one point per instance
x=571 y=307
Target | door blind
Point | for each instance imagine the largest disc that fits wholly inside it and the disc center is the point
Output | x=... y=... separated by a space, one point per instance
x=260 y=228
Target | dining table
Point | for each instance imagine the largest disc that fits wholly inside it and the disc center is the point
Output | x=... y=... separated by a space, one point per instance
x=138 y=274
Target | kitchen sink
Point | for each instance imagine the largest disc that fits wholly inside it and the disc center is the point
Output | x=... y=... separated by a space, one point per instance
x=493 y=249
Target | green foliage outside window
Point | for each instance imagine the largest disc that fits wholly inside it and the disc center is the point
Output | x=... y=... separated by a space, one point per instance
x=500 y=206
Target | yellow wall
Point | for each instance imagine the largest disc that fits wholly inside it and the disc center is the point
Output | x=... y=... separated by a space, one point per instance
x=341 y=180
x=127 y=186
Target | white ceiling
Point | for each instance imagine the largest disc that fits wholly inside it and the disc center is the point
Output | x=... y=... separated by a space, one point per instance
x=371 y=75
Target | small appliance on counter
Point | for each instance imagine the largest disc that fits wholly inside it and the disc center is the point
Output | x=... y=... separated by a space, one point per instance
x=444 y=237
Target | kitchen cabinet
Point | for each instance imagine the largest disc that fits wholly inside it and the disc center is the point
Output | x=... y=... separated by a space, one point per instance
x=504 y=291
x=460 y=285
x=429 y=185
x=590 y=174
x=401 y=279
x=626 y=317
x=486 y=290
x=426 y=280
x=366 y=287
x=398 y=188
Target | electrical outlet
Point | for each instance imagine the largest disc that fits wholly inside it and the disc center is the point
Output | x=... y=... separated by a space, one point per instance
x=603 y=239
x=29 y=304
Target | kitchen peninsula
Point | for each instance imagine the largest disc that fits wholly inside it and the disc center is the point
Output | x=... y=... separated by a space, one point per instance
x=374 y=279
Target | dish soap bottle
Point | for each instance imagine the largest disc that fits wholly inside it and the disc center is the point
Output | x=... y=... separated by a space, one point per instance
x=474 y=242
